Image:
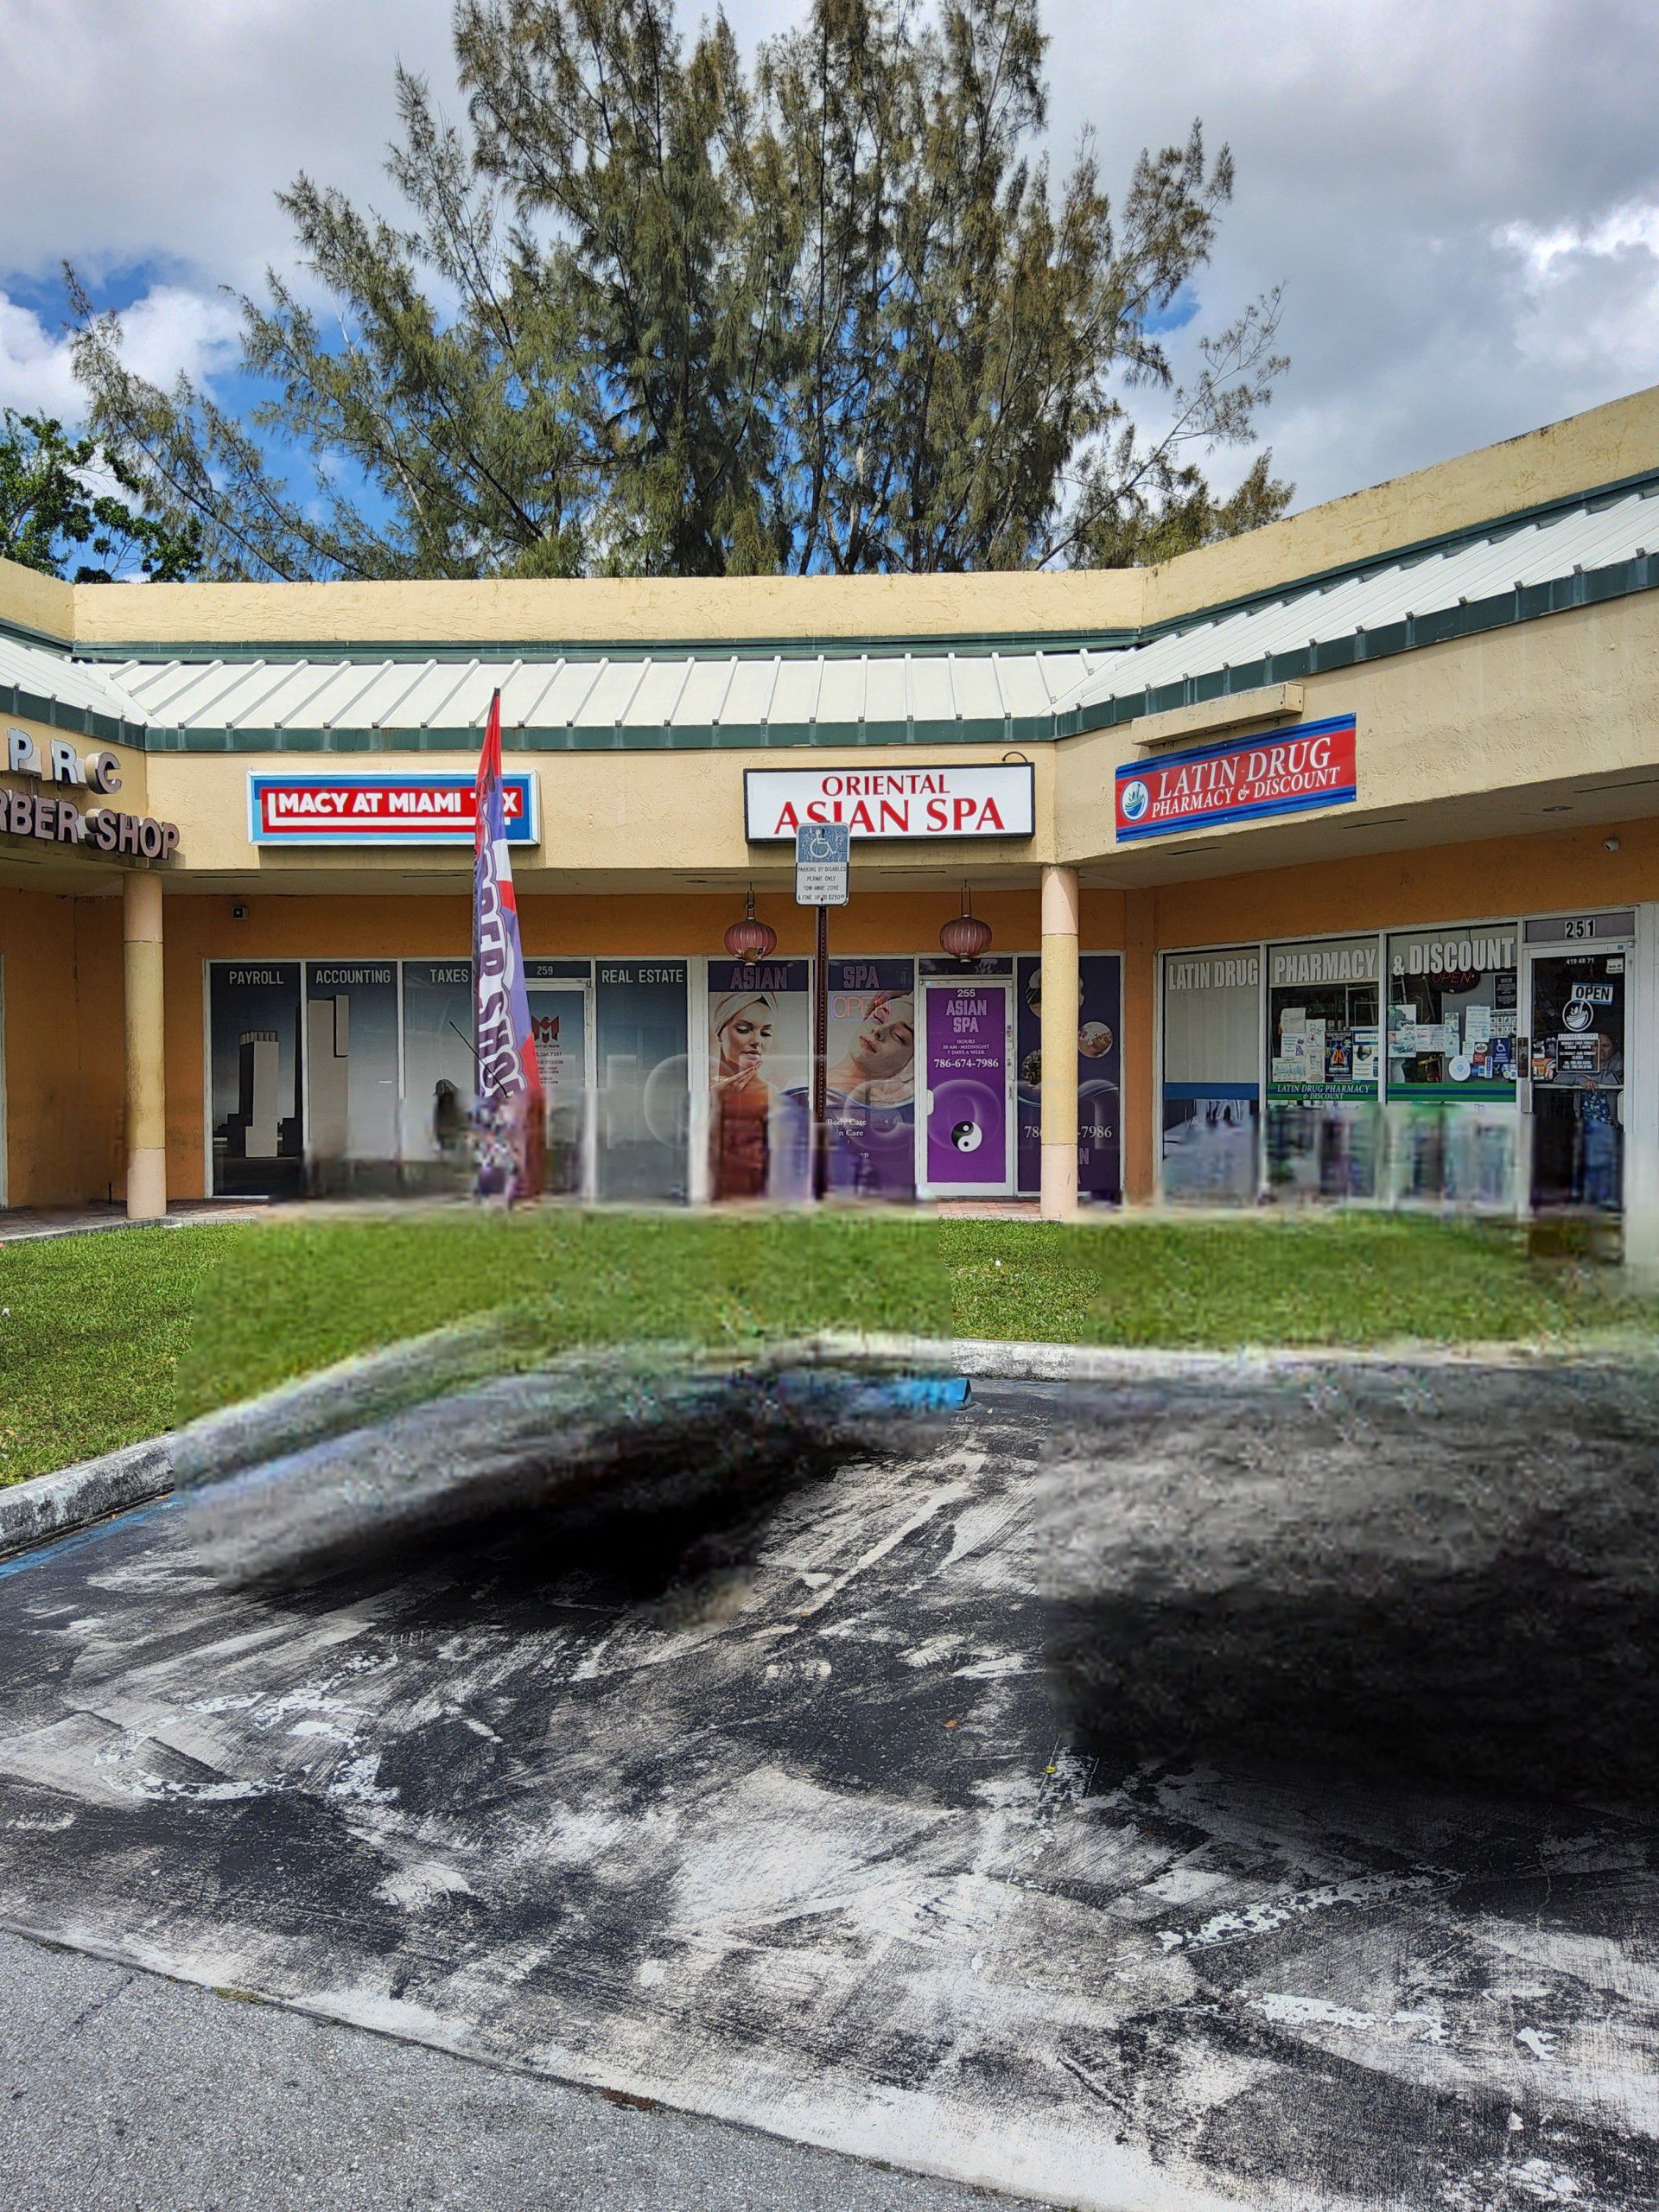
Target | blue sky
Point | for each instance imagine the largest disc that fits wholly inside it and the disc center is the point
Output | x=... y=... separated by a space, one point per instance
x=1462 y=202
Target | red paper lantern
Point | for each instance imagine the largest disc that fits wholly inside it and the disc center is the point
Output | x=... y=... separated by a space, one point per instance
x=964 y=937
x=750 y=940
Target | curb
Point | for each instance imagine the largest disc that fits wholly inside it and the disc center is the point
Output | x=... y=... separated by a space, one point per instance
x=369 y=1387
x=46 y=1506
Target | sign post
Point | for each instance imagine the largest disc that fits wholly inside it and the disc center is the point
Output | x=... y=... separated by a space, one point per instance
x=820 y=883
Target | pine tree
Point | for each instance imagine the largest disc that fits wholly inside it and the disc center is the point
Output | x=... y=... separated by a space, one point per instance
x=651 y=311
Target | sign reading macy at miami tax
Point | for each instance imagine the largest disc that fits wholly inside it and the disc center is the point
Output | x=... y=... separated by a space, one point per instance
x=925 y=802
x=1311 y=764
x=417 y=809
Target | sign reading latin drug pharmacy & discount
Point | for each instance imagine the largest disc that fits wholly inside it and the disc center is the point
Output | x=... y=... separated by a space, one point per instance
x=432 y=808
x=890 y=802
x=1286 y=771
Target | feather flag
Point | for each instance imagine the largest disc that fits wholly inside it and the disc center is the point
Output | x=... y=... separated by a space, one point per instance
x=509 y=1078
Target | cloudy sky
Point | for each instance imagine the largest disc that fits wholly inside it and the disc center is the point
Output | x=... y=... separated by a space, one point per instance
x=1460 y=197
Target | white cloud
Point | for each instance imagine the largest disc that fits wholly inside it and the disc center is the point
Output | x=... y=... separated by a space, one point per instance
x=169 y=330
x=1588 y=294
x=1460 y=201
x=34 y=373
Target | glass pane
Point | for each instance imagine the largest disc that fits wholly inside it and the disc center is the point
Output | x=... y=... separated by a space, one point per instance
x=558 y=1027
x=1452 y=1013
x=1211 y=1094
x=639 y=1010
x=759 y=1021
x=254 y=1031
x=438 y=1073
x=1324 y=1122
x=1577 y=1079
x=1100 y=1074
x=870 y=1079
x=351 y=1037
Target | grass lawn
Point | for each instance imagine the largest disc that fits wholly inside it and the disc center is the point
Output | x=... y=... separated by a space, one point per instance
x=110 y=1338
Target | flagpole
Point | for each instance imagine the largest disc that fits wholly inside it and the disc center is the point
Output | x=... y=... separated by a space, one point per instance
x=509 y=1076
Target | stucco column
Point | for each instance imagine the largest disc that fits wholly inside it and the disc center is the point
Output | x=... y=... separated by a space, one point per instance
x=1140 y=1095
x=141 y=917
x=1059 y=1044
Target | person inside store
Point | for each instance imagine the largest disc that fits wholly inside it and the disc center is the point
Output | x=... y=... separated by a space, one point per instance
x=1596 y=1108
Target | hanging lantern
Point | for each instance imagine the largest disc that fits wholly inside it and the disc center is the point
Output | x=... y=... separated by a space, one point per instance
x=964 y=937
x=750 y=940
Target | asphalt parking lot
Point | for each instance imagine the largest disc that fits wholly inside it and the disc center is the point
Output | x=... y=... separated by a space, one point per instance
x=1163 y=1795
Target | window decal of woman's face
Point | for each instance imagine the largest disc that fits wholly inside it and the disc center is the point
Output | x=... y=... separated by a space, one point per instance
x=886 y=1045
x=743 y=1031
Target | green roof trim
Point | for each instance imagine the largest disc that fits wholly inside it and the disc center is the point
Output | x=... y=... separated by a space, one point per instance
x=1503 y=610
x=1468 y=617
x=968 y=645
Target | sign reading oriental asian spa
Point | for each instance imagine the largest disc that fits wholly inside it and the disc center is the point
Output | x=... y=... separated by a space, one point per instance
x=420 y=808
x=1310 y=765
x=897 y=802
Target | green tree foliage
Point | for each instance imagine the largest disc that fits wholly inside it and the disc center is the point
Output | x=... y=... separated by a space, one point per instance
x=651 y=310
x=61 y=502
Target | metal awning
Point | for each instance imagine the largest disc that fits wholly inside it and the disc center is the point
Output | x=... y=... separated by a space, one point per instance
x=555 y=698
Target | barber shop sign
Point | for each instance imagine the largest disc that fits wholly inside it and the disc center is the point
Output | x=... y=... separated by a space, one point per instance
x=1310 y=765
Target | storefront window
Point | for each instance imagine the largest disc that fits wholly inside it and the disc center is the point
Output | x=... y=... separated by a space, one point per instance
x=254 y=1031
x=1100 y=1074
x=1453 y=1017
x=1211 y=1089
x=440 y=1082
x=1324 y=1118
x=556 y=992
x=351 y=1102
x=759 y=1079
x=870 y=1078
x=640 y=1024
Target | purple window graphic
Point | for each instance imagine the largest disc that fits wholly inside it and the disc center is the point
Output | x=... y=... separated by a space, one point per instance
x=967 y=1081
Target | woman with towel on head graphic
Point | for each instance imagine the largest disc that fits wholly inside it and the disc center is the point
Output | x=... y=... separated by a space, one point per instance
x=745 y=1139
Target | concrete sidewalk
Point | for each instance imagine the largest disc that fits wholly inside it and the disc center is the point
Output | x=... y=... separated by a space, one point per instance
x=26 y=1225
x=119 y=2089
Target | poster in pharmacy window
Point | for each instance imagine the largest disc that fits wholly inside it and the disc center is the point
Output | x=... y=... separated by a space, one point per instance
x=1323 y=1038
x=1453 y=1013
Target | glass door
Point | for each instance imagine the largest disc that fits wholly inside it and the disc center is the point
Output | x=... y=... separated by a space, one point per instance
x=1575 y=998
x=966 y=1128
x=558 y=1029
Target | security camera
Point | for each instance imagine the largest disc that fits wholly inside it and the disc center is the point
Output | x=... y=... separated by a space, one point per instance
x=1610 y=844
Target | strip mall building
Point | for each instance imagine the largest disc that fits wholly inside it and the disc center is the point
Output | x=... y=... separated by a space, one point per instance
x=1322 y=863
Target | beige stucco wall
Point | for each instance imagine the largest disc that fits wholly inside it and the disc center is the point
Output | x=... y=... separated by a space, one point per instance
x=36 y=602
x=1577 y=454
x=131 y=798
x=604 y=608
x=606 y=818
x=1506 y=715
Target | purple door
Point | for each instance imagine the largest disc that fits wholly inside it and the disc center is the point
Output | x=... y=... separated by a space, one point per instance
x=967 y=1050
